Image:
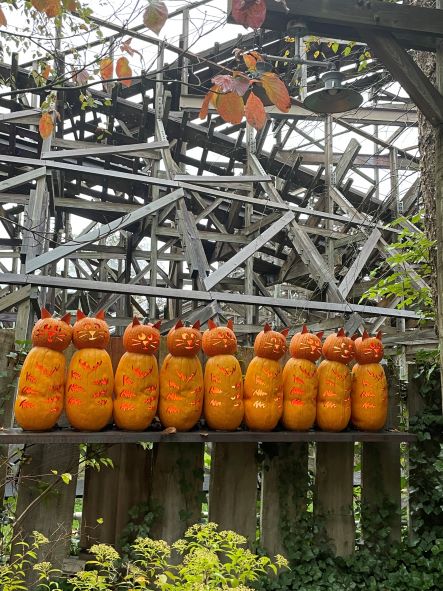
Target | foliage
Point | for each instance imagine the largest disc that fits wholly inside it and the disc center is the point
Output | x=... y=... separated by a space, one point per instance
x=412 y=248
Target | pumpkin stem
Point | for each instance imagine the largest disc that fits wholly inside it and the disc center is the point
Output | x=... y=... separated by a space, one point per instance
x=100 y=315
x=341 y=332
x=211 y=324
x=45 y=313
x=305 y=329
x=135 y=321
x=267 y=327
x=80 y=315
x=196 y=325
x=66 y=318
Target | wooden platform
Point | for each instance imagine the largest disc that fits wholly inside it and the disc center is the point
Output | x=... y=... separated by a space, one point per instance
x=113 y=436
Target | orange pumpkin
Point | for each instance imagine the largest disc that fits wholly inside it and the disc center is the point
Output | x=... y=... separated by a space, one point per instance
x=263 y=388
x=334 y=383
x=41 y=385
x=136 y=385
x=369 y=399
x=300 y=381
x=223 y=381
x=90 y=382
x=181 y=379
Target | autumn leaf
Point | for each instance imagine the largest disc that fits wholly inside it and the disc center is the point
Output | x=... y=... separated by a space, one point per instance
x=80 y=76
x=70 y=5
x=251 y=58
x=228 y=83
x=53 y=8
x=155 y=16
x=230 y=107
x=3 y=21
x=210 y=98
x=46 y=71
x=126 y=46
x=123 y=70
x=249 y=13
x=276 y=91
x=106 y=68
x=40 y=5
x=255 y=112
x=46 y=125
x=241 y=84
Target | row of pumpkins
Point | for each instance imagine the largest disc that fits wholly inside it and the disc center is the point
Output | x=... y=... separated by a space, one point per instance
x=300 y=394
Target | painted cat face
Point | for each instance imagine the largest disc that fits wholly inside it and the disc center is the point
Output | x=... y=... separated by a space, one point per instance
x=142 y=338
x=368 y=349
x=91 y=333
x=305 y=345
x=219 y=340
x=338 y=347
x=270 y=343
x=184 y=341
x=52 y=333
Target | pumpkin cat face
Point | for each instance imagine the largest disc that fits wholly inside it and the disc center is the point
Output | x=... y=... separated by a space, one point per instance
x=52 y=333
x=305 y=345
x=91 y=333
x=270 y=343
x=184 y=341
x=339 y=347
x=219 y=340
x=142 y=338
x=368 y=349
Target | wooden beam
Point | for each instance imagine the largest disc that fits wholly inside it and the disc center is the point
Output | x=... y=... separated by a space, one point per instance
x=22 y=179
x=346 y=161
x=359 y=262
x=135 y=150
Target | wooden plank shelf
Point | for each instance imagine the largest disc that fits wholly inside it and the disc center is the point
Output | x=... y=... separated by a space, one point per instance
x=112 y=436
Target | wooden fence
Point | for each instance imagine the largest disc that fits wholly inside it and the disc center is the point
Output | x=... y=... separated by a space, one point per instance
x=252 y=487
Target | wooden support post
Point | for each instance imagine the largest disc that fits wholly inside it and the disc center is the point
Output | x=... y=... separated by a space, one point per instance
x=233 y=488
x=333 y=503
x=283 y=494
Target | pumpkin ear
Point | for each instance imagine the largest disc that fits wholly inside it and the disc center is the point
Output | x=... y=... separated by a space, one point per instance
x=267 y=328
x=196 y=325
x=100 y=315
x=320 y=334
x=157 y=324
x=379 y=335
x=135 y=321
x=365 y=335
x=66 y=318
x=230 y=324
x=211 y=324
x=80 y=315
x=285 y=332
x=341 y=332
x=45 y=313
x=179 y=324
x=305 y=329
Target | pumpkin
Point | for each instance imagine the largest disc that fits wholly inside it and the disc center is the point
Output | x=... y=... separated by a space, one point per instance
x=90 y=381
x=41 y=385
x=223 y=381
x=263 y=388
x=334 y=383
x=300 y=381
x=181 y=379
x=136 y=386
x=369 y=398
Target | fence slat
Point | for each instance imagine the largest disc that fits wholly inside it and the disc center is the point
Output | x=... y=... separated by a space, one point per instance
x=177 y=488
x=284 y=494
x=381 y=478
x=233 y=488
x=333 y=503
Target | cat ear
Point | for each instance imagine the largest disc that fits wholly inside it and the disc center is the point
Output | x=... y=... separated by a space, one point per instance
x=267 y=328
x=230 y=324
x=100 y=315
x=341 y=332
x=44 y=313
x=379 y=335
x=320 y=334
x=80 y=315
x=365 y=335
x=66 y=318
x=285 y=332
x=196 y=325
x=157 y=324
x=211 y=324
x=179 y=324
x=135 y=321
x=305 y=329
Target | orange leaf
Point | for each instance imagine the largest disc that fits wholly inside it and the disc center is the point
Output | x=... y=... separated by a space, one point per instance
x=255 y=111
x=251 y=58
x=276 y=91
x=231 y=107
x=40 y=5
x=53 y=8
x=46 y=125
x=46 y=71
x=3 y=21
x=106 y=68
x=123 y=70
x=210 y=98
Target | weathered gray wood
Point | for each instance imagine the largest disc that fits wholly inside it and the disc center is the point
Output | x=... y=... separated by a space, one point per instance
x=192 y=245
x=177 y=488
x=233 y=488
x=22 y=179
x=283 y=495
x=248 y=250
x=333 y=503
x=215 y=180
x=359 y=262
x=7 y=375
x=15 y=298
x=85 y=239
x=141 y=150
x=346 y=161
